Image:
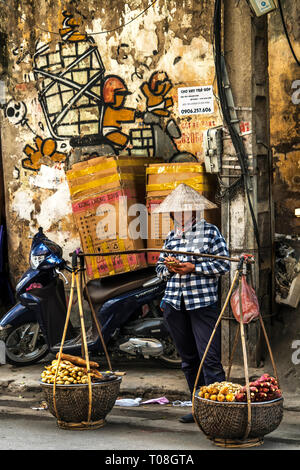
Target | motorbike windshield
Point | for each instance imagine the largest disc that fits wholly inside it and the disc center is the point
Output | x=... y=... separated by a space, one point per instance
x=44 y=253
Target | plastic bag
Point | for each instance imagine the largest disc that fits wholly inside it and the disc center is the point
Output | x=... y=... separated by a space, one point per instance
x=160 y=401
x=128 y=402
x=250 y=305
x=182 y=403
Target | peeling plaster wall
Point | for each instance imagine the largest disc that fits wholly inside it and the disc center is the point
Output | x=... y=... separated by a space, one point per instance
x=284 y=76
x=172 y=37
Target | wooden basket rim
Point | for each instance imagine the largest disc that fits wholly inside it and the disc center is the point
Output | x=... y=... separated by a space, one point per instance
x=241 y=403
x=104 y=382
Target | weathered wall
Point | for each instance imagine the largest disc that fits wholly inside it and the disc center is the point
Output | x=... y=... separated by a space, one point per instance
x=284 y=76
x=284 y=105
x=170 y=37
x=245 y=46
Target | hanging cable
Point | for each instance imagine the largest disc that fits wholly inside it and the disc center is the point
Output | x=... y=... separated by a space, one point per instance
x=286 y=32
x=235 y=137
x=99 y=32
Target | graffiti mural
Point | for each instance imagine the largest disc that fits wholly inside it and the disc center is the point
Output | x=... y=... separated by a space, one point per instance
x=155 y=92
x=157 y=139
x=69 y=80
x=16 y=113
x=85 y=106
x=43 y=148
x=83 y=103
x=114 y=92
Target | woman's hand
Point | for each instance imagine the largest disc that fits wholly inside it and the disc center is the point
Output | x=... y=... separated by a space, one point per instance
x=184 y=268
x=171 y=263
x=174 y=266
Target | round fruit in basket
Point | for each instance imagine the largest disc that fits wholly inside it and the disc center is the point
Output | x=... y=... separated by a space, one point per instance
x=225 y=418
x=220 y=391
x=70 y=401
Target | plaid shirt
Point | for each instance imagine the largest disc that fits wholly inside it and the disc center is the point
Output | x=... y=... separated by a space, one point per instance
x=199 y=288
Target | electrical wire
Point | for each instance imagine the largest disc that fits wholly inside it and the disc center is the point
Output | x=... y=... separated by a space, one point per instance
x=235 y=137
x=100 y=32
x=286 y=32
x=226 y=191
x=125 y=24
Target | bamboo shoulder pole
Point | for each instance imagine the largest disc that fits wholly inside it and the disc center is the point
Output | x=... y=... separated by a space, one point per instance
x=162 y=250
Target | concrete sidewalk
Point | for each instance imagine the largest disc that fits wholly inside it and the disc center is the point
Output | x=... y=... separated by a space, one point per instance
x=20 y=393
x=145 y=380
x=138 y=381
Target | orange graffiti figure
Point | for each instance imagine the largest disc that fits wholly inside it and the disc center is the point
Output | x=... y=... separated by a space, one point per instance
x=155 y=91
x=43 y=148
x=114 y=94
x=69 y=30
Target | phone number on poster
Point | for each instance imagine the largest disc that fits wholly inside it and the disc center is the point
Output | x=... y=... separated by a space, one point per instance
x=196 y=111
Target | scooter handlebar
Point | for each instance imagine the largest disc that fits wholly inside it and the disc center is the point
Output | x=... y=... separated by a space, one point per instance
x=66 y=267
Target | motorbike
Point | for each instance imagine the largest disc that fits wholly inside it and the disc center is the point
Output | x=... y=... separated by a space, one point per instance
x=127 y=307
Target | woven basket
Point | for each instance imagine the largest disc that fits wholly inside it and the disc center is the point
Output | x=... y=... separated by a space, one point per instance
x=72 y=403
x=228 y=420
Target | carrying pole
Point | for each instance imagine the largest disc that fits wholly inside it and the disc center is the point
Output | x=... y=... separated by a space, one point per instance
x=165 y=250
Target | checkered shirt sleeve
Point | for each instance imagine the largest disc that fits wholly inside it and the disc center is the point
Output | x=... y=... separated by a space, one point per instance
x=200 y=288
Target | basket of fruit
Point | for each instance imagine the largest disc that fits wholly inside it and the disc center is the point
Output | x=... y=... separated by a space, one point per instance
x=229 y=414
x=68 y=397
x=221 y=410
x=77 y=393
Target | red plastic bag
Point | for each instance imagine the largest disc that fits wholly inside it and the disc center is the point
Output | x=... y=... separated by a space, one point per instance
x=250 y=305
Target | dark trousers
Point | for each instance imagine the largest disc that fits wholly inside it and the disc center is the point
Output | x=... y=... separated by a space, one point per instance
x=191 y=331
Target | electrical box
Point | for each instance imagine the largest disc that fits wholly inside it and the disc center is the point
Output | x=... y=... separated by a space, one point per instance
x=262 y=7
x=213 y=147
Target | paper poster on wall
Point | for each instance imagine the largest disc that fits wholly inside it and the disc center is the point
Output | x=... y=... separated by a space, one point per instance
x=196 y=100
x=2 y=92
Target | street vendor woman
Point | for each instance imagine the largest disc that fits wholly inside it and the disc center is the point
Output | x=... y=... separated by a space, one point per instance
x=190 y=304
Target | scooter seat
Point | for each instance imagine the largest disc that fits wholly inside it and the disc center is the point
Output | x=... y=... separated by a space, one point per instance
x=101 y=290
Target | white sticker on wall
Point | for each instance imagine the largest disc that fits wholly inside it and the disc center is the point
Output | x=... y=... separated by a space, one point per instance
x=48 y=177
x=2 y=92
x=196 y=100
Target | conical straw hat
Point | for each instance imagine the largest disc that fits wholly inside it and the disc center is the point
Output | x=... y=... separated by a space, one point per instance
x=184 y=198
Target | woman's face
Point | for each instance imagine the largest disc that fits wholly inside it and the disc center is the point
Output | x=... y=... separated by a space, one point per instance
x=182 y=218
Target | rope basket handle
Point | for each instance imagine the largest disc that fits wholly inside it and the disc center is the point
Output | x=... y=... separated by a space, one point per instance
x=76 y=282
x=209 y=343
x=268 y=346
x=96 y=320
x=240 y=329
x=73 y=283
